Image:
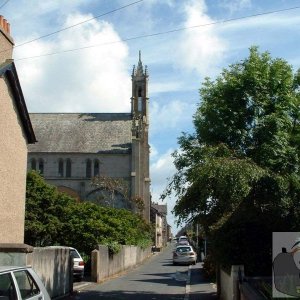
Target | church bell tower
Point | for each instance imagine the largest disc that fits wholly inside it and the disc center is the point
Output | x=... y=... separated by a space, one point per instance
x=140 y=147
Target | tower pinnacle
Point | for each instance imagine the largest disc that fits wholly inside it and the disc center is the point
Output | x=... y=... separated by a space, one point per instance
x=140 y=69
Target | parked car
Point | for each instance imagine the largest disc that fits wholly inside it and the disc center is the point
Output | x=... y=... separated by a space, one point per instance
x=183 y=240
x=184 y=255
x=17 y=283
x=78 y=264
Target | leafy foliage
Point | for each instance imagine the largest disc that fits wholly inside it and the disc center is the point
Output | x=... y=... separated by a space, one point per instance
x=53 y=218
x=239 y=171
x=113 y=186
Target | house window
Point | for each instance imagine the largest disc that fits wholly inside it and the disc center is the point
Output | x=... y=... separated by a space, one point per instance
x=88 y=168
x=33 y=164
x=96 y=167
x=41 y=166
x=61 y=168
x=68 y=168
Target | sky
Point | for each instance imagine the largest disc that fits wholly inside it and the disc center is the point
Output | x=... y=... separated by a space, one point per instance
x=98 y=78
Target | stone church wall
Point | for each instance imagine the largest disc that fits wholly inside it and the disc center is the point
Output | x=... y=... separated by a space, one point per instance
x=111 y=165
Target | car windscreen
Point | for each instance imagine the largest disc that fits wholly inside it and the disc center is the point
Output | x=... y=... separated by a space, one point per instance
x=183 y=249
x=74 y=253
x=183 y=239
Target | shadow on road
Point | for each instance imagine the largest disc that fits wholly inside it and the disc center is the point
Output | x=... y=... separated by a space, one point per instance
x=87 y=295
x=201 y=288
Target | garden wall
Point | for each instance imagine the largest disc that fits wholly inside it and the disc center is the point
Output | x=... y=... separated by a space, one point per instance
x=53 y=265
x=105 y=264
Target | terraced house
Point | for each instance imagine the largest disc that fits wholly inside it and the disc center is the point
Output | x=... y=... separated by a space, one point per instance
x=72 y=148
x=16 y=133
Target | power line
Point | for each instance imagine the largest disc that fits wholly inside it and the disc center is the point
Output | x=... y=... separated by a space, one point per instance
x=164 y=32
x=74 y=25
x=4 y=4
x=80 y=23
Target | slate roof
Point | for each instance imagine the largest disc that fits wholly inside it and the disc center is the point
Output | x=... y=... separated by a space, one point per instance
x=161 y=208
x=8 y=70
x=81 y=132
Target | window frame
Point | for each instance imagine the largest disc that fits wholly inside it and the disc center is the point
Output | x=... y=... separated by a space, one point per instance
x=34 y=287
x=96 y=167
x=33 y=164
x=68 y=168
x=12 y=283
x=88 y=168
x=60 y=167
x=41 y=165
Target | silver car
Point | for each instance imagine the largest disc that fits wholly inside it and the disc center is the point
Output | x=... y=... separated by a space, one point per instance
x=184 y=255
x=78 y=264
x=17 y=283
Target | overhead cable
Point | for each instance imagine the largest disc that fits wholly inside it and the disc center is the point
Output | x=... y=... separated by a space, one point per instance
x=74 y=25
x=163 y=32
x=4 y=4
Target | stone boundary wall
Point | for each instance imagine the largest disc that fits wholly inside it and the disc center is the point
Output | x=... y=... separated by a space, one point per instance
x=54 y=267
x=106 y=265
x=228 y=284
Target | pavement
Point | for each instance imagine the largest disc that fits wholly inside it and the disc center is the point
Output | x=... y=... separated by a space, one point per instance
x=197 y=287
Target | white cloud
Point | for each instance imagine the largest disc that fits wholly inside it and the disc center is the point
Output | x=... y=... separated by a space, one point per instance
x=200 y=49
x=170 y=115
x=162 y=169
x=235 y=5
x=153 y=152
x=271 y=21
x=168 y=86
x=91 y=80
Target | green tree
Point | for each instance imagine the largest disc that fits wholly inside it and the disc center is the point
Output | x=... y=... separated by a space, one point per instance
x=54 y=218
x=112 y=186
x=43 y=211
x=240 y=169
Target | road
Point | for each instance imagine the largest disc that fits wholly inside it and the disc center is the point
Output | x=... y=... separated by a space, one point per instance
x=156 y=279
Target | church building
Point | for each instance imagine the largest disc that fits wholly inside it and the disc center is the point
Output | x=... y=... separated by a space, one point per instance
x=74 y=148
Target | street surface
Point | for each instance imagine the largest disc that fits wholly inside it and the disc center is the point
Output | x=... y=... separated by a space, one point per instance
x=156 y=279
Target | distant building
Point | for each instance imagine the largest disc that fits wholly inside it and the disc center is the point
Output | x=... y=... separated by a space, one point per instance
x=72 y=148
x=159 y=219
x=16 y=133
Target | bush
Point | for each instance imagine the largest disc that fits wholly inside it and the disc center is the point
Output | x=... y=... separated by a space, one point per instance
x=53 y=218
x=209 y=267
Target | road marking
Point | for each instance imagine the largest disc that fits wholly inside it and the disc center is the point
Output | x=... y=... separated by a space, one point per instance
x=188 y=284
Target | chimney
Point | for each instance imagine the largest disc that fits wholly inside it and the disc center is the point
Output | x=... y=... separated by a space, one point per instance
x=6 y=41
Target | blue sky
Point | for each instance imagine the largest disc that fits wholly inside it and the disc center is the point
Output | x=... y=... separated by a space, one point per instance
x=97 y=79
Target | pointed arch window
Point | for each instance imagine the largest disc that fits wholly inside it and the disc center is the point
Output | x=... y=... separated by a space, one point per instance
x=96 y=167
x=41 y=166
x=61 y=168
x=140 y=99
x=88 y=168
x=68 y=168
x=33 y=164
